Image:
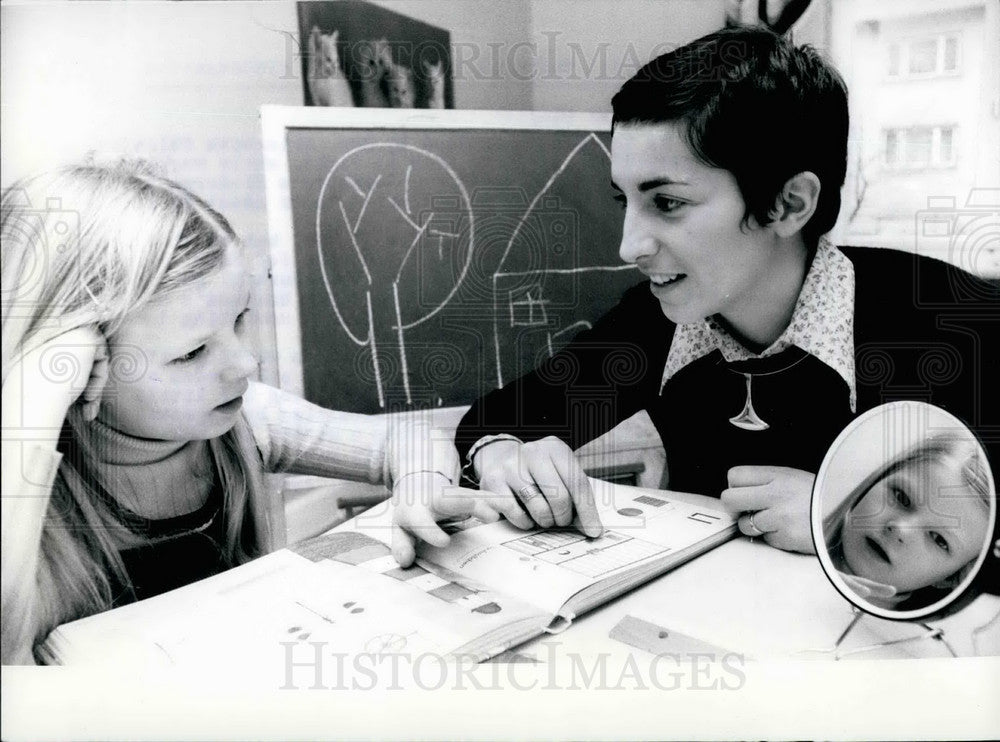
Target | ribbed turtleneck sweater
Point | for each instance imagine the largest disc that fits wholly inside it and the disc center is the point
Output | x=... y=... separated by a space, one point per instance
x=167 y=501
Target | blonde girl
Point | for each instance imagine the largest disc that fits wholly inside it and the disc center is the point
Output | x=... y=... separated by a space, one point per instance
x=134 y=435
x=910 y=531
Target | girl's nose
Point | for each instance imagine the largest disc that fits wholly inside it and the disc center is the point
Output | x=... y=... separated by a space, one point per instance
x=242 y=363
x=900 y=525
x=891 y=530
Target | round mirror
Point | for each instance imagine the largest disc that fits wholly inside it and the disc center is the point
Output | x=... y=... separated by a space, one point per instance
x=904 y=512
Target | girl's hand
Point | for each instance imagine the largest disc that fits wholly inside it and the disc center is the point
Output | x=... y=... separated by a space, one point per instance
x=38 y=391
x=774 y=502
x=540 y=483
x=868 y=589
x=47 y=380
x=420 y=500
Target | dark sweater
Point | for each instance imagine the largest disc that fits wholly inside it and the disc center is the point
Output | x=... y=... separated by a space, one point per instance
x=182 y=550
x=923 y=330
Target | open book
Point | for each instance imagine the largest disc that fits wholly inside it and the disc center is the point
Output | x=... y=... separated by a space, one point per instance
x=342 y=593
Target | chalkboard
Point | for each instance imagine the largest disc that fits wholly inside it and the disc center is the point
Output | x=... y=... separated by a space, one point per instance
x=420 y=260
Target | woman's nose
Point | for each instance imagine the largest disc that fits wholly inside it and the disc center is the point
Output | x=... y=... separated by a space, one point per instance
x=637 y=243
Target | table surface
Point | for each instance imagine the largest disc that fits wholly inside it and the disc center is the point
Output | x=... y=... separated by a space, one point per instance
x=749 y=598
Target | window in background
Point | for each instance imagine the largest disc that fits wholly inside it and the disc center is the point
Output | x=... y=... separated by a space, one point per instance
x=924 y=83
x=926 y=56
x=919 y=147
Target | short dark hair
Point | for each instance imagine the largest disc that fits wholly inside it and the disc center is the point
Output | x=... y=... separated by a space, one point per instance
x=755 y=105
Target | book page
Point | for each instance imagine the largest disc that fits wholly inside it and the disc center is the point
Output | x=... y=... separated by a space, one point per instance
x=548 y=567
x=340 y=594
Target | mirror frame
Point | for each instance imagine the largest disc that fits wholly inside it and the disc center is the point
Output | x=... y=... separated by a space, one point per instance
x=962 y=594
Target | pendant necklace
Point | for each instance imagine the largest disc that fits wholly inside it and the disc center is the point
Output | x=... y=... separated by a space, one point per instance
x=747 y=418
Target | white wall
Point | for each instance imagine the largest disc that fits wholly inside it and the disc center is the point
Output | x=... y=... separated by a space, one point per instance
x=157 y=80
x=182 y=83
x=585 y=51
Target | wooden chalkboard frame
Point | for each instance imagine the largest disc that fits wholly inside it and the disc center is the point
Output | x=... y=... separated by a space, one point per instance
x=284 y=368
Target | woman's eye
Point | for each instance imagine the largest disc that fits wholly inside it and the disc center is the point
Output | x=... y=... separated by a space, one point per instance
x=901 y=497
x=189 y=356
x=667 y=204
x=621 y=200
x=940 y=541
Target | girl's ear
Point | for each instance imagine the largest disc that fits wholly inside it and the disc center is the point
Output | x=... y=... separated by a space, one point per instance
x=795 y=204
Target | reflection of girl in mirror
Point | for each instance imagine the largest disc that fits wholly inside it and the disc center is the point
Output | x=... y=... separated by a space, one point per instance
x=911 y=531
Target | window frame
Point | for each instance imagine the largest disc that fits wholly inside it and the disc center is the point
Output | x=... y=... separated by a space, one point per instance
x=904 y=141
x=902 y=48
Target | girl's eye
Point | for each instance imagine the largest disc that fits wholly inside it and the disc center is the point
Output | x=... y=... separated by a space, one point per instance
x=666 y=204
x=621 y=200
x=189 y=356
x=940 y=541
x=901 y=497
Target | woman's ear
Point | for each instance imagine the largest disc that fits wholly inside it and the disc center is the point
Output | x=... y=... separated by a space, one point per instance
x=795 y=204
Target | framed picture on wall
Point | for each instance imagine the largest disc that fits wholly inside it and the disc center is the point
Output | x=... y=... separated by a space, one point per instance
x=359 y=54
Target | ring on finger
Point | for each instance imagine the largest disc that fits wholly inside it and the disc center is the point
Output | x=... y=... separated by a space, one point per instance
x=755 y=531
x=529 y=492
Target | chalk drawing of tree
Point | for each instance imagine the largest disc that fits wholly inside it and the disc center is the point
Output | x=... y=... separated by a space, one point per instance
x=394 y=237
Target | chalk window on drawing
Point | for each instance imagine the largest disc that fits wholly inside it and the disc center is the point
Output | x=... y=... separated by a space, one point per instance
x=527 y=308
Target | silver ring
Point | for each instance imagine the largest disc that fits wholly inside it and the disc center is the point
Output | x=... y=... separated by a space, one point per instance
x=529 y=492
x=757 y=531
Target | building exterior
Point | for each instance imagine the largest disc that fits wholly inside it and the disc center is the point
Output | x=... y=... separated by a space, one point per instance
x=924 y=162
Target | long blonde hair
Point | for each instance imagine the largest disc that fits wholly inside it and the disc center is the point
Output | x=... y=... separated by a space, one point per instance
x=89 y=245
x=933 y=449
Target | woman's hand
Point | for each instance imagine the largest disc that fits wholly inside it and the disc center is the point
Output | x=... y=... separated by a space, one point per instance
x=537 y=483
x=774 y=502
x=47 y=380
x=420 y=500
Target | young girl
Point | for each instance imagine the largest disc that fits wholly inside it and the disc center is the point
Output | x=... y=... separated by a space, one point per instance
x=134 y=436
x=908 y=534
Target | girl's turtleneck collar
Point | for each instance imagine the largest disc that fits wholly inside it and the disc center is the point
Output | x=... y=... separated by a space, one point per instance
x=111 y=446
x=154 y=479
